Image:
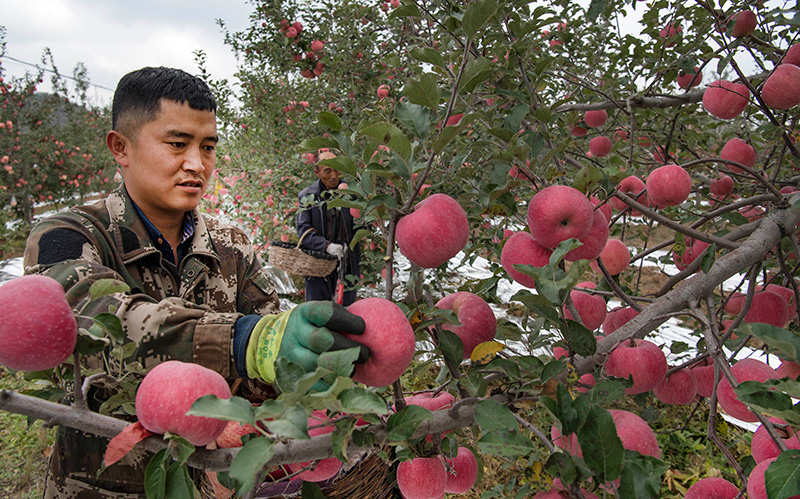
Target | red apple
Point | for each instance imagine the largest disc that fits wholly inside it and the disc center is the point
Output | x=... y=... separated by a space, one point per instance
x=782 y=88
x=383 y=91
x=788 y=369
x=744 y=370
x=578 y=131
x=232 y=435
x=768 y=308
x=787 y=294
x=38 y=330
x=465 y=472
x=618 y=318
x=745 y=24
x=726 y=100
x=557 y=213
x=689 y=80
x=317 y=45
x=792 y=55
x=326 y=468
x=679 y=388
x=633 y=187
x=478 y=323
x=670 y=32
x=594 y=241
x=522 y=249
x=442 y=400
x=704 y=375
x=615 y=256
x=591 y=308
x=389 y=337
x=694 y=248
x=756 y=488
x=762 y=447
x=740 y=151
x=635 y=433
x=735 y=303
x=434 y=232
x=595 y=119
x=722 y=186
x=600 y=146
x=422 y=478
x=712 y=487
x=638 y=358
x=668 y=185
x=167 y=393
x=604 y=208
x=291 y=32
x=632 y=430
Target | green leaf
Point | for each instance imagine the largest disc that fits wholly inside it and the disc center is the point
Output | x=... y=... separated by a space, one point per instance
x=179 y=484
x=330 y=120
x=316 y=143
x=111 y=325
x=570 y=413
x=155 y=476
x=540 y=305
x=401 y=425
x=709 y=257
x=641 y=476
x=506 y=443
x=390 y=136
x=429 y=55
x=760 y=398
x=599 y=433
x=477 y=15
x=492 y=415
x=783 y=340
x=586 y=178
x=359 y=400
x=311 y=490
x=341 y=436
x=103 y=287
x=414 y=117
x=477 y=71
x=181 y=447
x=595 y=9
x=231 y=409
x=424 y=91
x=406 y=10
x=782 y=478
x=90 y=341
x=451 y=345
x=514 y=118
x=293 y=424
x=580 y=339
x=249 y=463
x=553 y=368
x=451 y=132
x=342 y=163
x=338 y=362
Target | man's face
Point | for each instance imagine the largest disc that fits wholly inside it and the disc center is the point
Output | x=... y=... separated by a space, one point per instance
x=167 y=165
x=329 y=176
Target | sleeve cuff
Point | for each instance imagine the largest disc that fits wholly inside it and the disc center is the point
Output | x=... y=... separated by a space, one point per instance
x=241 y=335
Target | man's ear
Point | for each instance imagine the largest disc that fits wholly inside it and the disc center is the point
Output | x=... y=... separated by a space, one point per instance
x=120 y=146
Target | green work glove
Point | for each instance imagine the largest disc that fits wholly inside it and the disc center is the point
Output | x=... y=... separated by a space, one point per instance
x=301 y=335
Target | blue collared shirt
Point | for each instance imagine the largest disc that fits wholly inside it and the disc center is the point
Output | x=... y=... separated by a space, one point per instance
x=161 y=242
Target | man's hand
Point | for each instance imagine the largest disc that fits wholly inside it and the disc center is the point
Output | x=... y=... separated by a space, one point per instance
x=301 y=335
x=336 y=250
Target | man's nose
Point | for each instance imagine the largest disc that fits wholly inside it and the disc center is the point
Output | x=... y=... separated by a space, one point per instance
x=193 y=160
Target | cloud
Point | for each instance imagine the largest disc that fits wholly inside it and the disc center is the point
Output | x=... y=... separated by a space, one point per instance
x=113 y=38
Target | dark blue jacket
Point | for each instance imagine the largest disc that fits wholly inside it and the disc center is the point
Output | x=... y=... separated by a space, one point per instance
x=313 y=213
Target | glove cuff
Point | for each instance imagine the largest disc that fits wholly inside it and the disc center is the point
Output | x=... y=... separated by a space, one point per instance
x=264 y=344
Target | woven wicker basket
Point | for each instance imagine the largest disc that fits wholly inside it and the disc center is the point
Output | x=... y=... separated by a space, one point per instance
x=301 y=261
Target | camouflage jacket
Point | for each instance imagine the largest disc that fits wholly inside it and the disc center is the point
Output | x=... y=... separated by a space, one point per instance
x=184 y=313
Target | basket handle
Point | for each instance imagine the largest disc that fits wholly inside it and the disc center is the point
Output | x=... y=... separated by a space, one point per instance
x=304 y=235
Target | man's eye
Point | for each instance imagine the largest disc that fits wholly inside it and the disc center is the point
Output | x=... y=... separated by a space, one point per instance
x=210 y=148
x=177 y=144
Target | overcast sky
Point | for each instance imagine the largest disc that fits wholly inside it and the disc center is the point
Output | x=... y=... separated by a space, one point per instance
x=114 y=37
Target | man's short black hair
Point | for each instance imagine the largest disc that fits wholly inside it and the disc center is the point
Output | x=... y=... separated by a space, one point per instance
x=138 y=95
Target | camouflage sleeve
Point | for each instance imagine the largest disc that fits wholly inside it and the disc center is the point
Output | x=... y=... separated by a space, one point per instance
x=77 y=251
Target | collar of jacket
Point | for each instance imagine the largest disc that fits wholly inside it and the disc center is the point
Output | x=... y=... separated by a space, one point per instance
x=131 y=235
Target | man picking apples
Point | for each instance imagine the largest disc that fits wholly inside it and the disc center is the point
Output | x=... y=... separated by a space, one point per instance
x=332 y=233
x=198 y=291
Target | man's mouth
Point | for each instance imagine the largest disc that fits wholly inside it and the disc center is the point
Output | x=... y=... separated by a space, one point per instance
x=191 y=183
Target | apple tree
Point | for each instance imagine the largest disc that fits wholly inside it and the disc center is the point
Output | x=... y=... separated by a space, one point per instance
x=618 y=183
